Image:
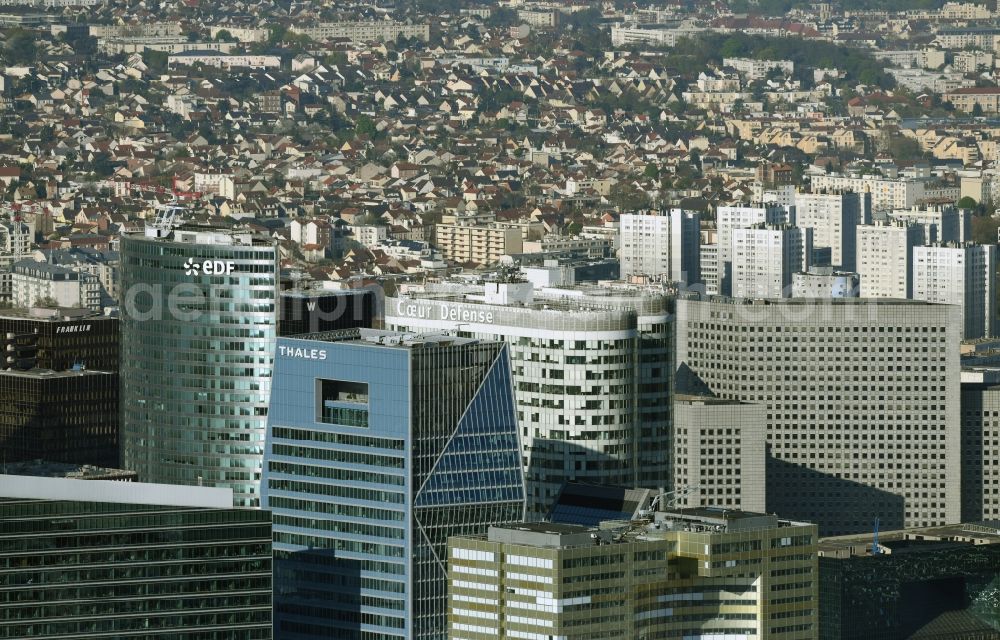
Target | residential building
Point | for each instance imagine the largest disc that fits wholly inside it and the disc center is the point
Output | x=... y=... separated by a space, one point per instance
x=885 y=258
x=964 y=276
x=223 y=60
x=625 y=35
x=834 y=218
x=886 y=193
x=660 y=248
x=33 y=283
x=824 y=282
x=709 y=263
x=111 y=559
x=941 y=223
x=968 y=98
x=592 y=375
x=382 y=30
x=482 y=244
x=682 y=573
x=719 y=453
x=198 y=323
x=370 y=234
x=729 y=218
x=380 y=446
x=764 y=258
x=15 y=244
x=758 y=69
x=861 y=400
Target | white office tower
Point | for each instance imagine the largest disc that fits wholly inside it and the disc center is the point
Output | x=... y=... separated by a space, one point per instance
x=764 y=258
x=965 y=276
x=885 y=253
x=729 y=218
x=591 y=373
x=861 y=400
x=941 y=223
x=834 y=218
x=660 y=247
x=824 y=282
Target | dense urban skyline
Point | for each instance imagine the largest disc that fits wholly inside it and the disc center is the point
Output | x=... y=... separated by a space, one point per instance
x=500 y=319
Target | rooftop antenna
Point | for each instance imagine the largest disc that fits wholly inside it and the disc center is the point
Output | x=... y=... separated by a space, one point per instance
x=876 y=549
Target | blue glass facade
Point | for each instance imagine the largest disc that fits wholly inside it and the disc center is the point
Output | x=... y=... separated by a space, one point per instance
x=377 y=451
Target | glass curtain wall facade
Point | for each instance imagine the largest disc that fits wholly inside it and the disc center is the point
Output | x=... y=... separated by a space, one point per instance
x=592 y=377
x=379 y=448
x=199 y=320
x=104 y=570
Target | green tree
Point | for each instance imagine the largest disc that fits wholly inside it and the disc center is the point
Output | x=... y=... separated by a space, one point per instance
x=903 y=148
x=977 y=110
x=21 y=48
x=155 y=61
x=968 y=202
x=627 y=197
x=364 y=126
x=223 y=35
x=651 y=171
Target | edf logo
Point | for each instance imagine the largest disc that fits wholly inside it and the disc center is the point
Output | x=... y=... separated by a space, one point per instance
x=209 y=267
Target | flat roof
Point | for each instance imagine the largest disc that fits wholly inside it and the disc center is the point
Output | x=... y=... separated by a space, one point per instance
x=383 y=338
x=114 y=491
x=58 y=314
x=49 y=469
x=48 y=374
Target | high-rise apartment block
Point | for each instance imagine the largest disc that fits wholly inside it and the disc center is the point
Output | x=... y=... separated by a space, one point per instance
x=199 y=317
x=861 y=401
x=834 y=217
x=592 y=375
x=766 y=256
x=686 y=573
x=824 y=282
x=661 y=248
x=110 y=559
x=709 y=265
x=885 y=256
x=965 y=276
x=941 y=223
x=886 y=193
x=15 y=243
x=729 y=218
x=380 y=446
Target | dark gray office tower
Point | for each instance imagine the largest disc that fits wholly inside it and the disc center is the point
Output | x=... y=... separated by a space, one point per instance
x=121 y=560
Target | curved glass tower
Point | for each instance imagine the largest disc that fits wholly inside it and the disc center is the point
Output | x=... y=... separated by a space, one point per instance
x=198 y=328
